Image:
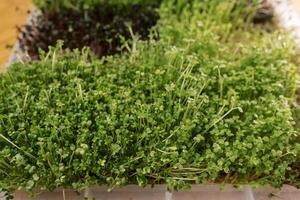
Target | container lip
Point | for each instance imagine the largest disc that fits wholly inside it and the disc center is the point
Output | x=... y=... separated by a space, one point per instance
x=211 y=187
x=163 y=188
x=246 y=192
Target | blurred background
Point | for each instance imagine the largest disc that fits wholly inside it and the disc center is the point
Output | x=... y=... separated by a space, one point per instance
x=13 y=14
x=297 y=4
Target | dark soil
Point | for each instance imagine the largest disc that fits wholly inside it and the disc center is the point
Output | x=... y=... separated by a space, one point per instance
x=99 y=28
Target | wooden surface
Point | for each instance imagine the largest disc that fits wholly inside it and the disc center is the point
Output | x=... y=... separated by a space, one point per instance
x=12 y=13
x=296 y=4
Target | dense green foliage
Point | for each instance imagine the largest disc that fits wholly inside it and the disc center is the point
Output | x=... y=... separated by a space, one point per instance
x=210 y=101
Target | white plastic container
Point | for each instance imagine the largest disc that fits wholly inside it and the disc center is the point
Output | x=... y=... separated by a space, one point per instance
x=160 y=192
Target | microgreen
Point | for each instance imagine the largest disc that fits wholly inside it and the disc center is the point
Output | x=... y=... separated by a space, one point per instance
x=210 y=101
